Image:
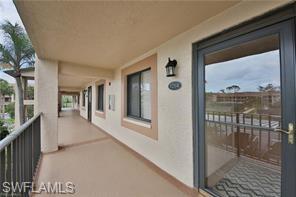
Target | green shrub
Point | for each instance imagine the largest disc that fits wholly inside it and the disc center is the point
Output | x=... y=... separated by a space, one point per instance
x=10 y=110
x=3 y=130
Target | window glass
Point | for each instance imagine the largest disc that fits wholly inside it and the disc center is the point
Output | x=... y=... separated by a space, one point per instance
x=101 y=97
x=83 y=98
x=139 y=95
x=146 y=95
x=133 y=95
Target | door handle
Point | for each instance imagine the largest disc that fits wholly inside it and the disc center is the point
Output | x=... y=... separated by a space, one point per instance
x=290 y=133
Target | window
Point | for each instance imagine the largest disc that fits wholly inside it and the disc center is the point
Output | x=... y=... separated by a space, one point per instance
x=100 y=106
x=29 y=112
x=29 y=89
x=101 y=89
x=7 y=99
x=139 y=95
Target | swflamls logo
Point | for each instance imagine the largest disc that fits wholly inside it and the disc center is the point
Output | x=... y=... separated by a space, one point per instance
x=48 y=187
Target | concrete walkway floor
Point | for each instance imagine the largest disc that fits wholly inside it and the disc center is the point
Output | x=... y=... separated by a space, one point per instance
x=98 y=165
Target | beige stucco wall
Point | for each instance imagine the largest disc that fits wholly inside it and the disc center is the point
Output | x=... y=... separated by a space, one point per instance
x=83 y=111
x=46 y=101
x=26 y=102
x=28 y=74
x=173 y=151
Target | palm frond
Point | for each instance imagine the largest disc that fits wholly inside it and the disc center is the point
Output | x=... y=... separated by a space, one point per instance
x=17 y=49
x=6 y=57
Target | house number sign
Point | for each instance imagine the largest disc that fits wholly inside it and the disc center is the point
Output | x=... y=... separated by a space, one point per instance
x=175 y=85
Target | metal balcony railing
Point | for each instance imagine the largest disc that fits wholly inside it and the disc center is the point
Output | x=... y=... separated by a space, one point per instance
x=19 y=155
x=250 y=135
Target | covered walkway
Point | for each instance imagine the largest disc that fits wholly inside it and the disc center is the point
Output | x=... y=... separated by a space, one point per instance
x=98 y=165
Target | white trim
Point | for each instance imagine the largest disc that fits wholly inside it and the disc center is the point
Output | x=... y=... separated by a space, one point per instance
x=100 y=112
x=137 y=122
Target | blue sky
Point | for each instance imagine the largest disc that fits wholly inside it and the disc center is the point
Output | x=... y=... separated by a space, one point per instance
x=8 y=12
x=247 y=72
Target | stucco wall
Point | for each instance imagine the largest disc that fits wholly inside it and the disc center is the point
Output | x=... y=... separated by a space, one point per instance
x=173 y=151
x=46 y=101
x=83 y=109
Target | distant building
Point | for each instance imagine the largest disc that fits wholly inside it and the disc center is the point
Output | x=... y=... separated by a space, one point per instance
x=28 y=85
x=5 y=100
x=269 y=97
x=260 y=102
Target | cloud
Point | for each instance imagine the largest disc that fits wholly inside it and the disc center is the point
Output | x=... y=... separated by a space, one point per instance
x=247 y=72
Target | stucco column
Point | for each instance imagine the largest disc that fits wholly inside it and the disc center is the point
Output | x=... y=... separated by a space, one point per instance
x=46 y=101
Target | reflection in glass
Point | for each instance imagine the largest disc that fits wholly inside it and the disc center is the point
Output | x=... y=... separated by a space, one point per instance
x=146 y=95
x=243 y=106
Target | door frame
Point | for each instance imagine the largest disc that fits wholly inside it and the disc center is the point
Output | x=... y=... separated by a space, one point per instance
x=89 y=103
x=281 y=21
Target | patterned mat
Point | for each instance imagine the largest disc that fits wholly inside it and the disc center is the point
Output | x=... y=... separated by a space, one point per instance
x=246 y=179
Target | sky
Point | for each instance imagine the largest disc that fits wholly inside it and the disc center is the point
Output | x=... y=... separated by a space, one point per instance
x=248 y=72
x=8 y=12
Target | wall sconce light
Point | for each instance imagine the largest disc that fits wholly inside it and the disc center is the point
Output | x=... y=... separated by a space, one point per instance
x=170 y=68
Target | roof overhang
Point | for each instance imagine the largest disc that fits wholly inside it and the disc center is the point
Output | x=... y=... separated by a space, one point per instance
x=25 y=72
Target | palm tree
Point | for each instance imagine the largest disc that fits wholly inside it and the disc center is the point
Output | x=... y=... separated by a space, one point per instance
x=16 y=52
x=260 y=88
x=229 y=88
x=235 y=88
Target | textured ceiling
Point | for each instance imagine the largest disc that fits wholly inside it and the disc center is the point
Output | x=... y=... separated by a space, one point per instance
x=108 y=34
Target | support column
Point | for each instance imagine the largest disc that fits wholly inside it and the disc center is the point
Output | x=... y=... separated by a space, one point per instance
x=46 y=101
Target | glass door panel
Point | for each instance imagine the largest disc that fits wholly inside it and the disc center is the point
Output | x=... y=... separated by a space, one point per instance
x=242 y=109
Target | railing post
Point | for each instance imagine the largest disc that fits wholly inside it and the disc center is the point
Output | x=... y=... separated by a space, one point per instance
x=30 y=152
x=34 y=139
x=220 y=127
x=2 y=169
x=269 y=125
x=8 y=163
x=23 y=163
x=260 y=134
x=237 y=135
x=226 y=132
x=15 y=162
x=27 y=155
x=20 y=158
x=232 y=133
x=252 y=123
x=244 y=122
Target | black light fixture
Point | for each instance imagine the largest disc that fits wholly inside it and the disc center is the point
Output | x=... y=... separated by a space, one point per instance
x=170 y=68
